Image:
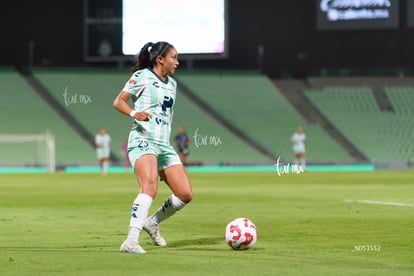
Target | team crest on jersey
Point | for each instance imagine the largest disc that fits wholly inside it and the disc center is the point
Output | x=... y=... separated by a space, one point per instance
x=168 y=102
x=132 y=81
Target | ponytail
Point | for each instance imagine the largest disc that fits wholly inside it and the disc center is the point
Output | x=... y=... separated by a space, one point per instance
x=148 y=54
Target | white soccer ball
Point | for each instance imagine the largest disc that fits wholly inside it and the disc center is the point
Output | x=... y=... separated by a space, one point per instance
x=241 y=234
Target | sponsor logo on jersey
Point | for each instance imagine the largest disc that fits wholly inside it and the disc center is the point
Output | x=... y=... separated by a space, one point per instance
x=161 y=121
x=156 y=84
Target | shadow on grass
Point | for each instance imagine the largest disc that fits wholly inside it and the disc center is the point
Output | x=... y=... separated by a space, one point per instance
x=173 y=244
x=196 y=242
x=204 y=244
x=58 y=248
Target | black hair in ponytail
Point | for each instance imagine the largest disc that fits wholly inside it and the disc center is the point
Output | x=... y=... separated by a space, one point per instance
x=147 y=57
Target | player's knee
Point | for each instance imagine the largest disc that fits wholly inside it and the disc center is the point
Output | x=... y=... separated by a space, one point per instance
x=186 y=197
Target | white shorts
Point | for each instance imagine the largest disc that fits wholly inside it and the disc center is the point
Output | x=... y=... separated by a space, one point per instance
x=166 y=155
x=103 y=152
x=298 y=149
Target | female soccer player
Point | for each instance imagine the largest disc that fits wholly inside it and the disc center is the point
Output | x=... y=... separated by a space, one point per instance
x=103 y=149
x=153 y=93
x=298 y=140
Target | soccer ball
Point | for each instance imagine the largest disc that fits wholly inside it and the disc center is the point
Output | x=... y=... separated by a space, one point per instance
x=241 y=234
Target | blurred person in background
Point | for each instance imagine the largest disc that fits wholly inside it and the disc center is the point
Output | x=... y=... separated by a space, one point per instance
x=298 y=141
x=124 y=152
x=103 y=149
x=182 y=141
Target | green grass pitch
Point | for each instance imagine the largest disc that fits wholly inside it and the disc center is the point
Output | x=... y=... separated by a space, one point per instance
x=73 y=224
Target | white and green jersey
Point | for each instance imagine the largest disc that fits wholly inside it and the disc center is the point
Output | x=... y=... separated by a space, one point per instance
x=153 y=95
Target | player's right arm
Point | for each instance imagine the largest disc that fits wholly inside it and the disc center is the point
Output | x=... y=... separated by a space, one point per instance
x=121 y=104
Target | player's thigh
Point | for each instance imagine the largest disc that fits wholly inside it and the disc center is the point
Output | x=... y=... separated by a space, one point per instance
x=100 y=153
x=177 y=179
x=146 y=172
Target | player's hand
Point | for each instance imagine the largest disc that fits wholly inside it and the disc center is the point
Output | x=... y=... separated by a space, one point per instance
x=143 y=116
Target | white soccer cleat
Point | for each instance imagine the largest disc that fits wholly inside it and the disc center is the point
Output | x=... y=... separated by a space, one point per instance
x=154 y=231
x=132 y=247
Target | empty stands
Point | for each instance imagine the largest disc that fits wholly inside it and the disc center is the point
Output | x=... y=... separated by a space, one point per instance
x=253 y=104
x=381 y=136
x=25 y=112
x=247 y=101
x=88 y=94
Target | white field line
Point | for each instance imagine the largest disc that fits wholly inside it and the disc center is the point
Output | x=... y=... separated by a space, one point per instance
x=400 y=204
